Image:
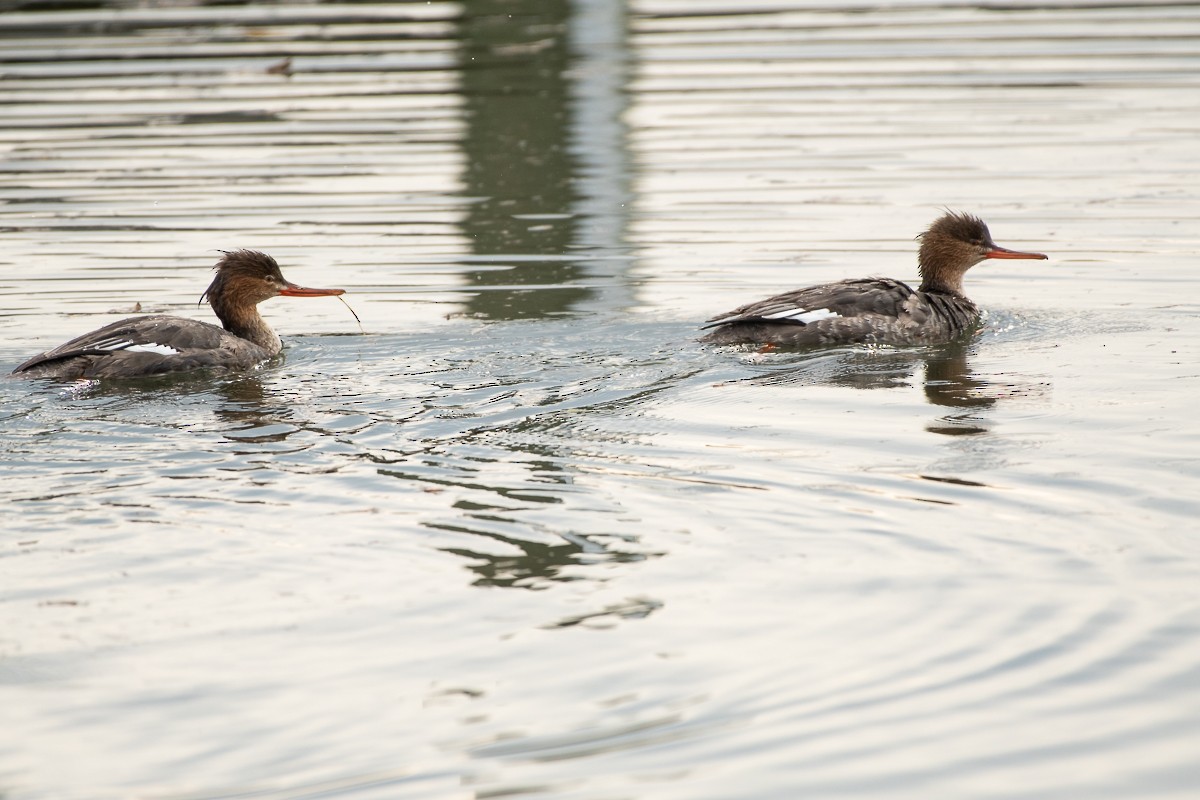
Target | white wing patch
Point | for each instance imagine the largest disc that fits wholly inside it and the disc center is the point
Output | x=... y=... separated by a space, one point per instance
x=803 y=315
x=161 y=349
x=116 y=343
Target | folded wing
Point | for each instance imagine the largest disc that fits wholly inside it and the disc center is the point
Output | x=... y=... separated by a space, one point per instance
x=844 y=299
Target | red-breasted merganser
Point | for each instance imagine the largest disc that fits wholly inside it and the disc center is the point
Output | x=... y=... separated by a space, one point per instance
x=140 y=346
x=876 y=310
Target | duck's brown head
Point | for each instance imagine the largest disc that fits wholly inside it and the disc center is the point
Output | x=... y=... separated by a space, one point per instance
x=953 y=244
x=245 y=278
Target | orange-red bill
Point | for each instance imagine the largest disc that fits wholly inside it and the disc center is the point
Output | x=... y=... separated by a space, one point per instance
x=292 y=290
x=1004 y=252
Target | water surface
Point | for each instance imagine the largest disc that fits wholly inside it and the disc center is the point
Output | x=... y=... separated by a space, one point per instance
x=522 y=536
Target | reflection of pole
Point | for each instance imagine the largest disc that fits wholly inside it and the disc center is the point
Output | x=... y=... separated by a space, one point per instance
x=600 y=77
x=519 y=158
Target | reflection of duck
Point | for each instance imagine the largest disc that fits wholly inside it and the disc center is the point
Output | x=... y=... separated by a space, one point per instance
x=247 y=405
x=948 y=380
x=876 y=310
x=157 y=344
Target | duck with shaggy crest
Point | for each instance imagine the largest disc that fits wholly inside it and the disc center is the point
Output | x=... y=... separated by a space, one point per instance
x=876 y=310
x=157 y=344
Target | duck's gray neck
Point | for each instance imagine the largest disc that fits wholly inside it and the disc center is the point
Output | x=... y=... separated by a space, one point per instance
x=942 y=283
x=248 y=324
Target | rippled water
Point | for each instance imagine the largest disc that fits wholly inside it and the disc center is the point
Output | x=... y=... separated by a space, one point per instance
x=522 y=536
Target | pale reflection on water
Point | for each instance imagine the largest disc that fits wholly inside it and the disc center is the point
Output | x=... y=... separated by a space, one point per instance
x=956 y=571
